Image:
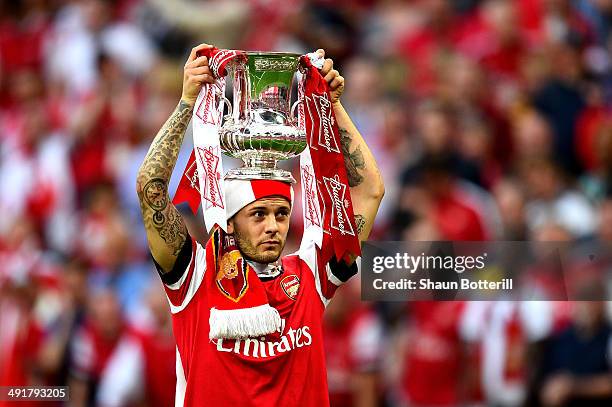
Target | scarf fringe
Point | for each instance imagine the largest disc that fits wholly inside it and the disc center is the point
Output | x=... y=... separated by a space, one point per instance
x=243 y=323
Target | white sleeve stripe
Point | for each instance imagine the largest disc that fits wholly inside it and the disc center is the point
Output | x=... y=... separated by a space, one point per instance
x=122 y=377
x=308 y=254
x=318 y=286
x=199 y=270
x=181 y=382
x=180 y=282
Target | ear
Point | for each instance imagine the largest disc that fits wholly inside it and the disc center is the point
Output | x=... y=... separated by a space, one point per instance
x=230 y=227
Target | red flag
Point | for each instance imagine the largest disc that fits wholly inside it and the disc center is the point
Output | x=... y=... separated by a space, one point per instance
x=188 y=190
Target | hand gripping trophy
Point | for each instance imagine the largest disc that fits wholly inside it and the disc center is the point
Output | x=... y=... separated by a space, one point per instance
x=247 y=322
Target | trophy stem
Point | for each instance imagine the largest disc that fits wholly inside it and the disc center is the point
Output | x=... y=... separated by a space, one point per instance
x=259 y=162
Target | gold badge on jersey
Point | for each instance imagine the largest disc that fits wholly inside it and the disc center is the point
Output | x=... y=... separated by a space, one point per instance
x=290 y=285
x=232 y=275
x=232 y=270
x=228 y=266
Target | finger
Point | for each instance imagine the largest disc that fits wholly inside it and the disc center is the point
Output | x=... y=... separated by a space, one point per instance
x=200 y=70
x=331 y=75
x=320 y=52
x=199 y=61
x=327 y=66
x=337 y=82
x=194 y=51
x=205 y=78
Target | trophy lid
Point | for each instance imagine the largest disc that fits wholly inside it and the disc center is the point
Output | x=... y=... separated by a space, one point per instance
x=274 y=53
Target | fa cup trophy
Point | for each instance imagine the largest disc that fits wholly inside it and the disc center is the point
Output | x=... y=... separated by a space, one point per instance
x=262 y=127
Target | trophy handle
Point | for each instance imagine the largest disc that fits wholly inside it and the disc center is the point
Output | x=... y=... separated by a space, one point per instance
x=227 y=103
x=293 y=107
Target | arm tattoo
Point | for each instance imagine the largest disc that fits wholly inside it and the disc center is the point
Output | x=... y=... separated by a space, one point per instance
x=360 y=223
x=157 y=211
x=352 y=161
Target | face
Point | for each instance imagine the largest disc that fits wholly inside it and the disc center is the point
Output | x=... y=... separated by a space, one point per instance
x=105 y=312
x=260 y=229
x=588 y=315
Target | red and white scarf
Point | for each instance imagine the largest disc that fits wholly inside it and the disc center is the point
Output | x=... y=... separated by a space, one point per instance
x=239 y=303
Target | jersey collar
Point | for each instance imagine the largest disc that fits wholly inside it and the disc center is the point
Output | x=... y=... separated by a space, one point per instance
x=266 y=270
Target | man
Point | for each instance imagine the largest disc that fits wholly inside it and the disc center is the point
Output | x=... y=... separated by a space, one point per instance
x=576 y=364
x=282 y=368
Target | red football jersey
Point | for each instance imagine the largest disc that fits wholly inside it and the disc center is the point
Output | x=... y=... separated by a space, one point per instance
x=433 y=364
x=284 y=368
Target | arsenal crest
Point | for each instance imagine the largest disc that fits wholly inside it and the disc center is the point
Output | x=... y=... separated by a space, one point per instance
x=290 y=285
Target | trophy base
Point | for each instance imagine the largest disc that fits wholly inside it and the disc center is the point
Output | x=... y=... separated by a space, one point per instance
x=249 y=173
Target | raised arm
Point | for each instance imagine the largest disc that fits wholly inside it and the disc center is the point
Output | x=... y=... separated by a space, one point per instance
x=166 y=230
x=365 y=182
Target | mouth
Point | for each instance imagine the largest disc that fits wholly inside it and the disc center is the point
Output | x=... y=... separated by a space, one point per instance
x=271 y=242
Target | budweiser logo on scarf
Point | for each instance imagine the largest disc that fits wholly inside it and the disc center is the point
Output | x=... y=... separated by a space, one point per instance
x=210 y=158
x=312 y=214
x=205 y=110
x=339 y=219
x=326 y=137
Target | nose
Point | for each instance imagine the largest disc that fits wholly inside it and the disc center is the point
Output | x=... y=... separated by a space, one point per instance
x=271 y=225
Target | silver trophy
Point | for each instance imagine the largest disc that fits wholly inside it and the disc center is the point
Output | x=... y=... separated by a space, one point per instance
x=262 y=127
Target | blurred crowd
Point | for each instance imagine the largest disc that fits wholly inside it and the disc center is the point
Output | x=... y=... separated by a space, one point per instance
x=490 y=120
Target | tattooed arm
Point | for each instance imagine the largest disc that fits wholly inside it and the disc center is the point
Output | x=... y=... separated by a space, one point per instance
x=166 y=230
x=365 y=182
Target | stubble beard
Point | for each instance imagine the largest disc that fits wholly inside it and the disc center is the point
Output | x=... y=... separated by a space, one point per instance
x=249 y=251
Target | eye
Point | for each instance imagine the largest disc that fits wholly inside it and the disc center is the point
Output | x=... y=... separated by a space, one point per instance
x=283 y=213
x=258 y=214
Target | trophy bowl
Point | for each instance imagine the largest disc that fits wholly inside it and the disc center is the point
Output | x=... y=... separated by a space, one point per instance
x=262 y=129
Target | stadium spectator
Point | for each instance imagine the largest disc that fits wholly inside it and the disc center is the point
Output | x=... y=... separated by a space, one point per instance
x=576 y=364
x=141 y=370
x=353 y=345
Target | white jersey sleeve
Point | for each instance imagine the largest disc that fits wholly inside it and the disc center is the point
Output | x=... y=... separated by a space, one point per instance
x=183 y=281
x=328 y=276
